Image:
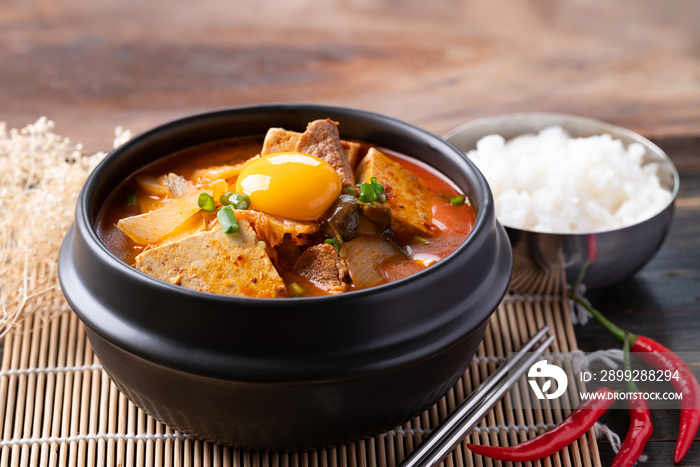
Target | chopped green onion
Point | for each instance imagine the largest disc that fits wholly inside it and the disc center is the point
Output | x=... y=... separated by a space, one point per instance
x=237 y=200
x=131 y=196
x=372 y=191
x=227 y=219
x=206 y=202
x=420 y=239
x=240 y=201
x=367 y=193
x=457 y=200
x=379 y=188
x=223 y=199
x=333 y=241
x=295 y=289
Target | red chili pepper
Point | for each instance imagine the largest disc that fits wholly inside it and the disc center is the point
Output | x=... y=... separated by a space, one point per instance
x=592 y=248
x=659 y=357
x=640 y=423
x=549 y=442
x=638 y=434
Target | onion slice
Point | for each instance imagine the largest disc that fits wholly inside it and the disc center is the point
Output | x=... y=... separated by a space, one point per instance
x=153 y=185
x=365 y=255
x=150 y=227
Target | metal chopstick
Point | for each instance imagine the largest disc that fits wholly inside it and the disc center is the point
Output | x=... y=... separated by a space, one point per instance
x=456 y=427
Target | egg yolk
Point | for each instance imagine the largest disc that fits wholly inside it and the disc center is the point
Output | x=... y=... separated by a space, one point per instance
x=289 y=184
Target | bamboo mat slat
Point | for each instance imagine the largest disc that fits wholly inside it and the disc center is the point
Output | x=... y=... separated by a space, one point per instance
x=58 y=408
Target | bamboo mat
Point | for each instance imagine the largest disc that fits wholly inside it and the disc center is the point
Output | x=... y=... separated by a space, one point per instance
x=58 y=408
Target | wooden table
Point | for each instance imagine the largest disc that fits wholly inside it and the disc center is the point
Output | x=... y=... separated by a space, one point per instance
x=92 y=66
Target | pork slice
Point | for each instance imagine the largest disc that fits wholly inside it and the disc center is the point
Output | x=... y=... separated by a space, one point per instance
x=321 y=139
x=322 y=266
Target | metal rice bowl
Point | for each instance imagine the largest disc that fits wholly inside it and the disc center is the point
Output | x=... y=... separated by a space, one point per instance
x=542 y=260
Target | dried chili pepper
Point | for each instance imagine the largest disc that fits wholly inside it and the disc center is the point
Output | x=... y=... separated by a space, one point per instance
x=640 y=421
x=659 y=357
x=549 y=442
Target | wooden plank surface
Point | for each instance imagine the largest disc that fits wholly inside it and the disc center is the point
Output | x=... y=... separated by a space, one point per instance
x=92 y=66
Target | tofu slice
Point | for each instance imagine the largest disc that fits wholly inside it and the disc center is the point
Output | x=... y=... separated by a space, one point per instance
x=281 y=140
x=213 y=261
x=406 y=195
x=352 y=151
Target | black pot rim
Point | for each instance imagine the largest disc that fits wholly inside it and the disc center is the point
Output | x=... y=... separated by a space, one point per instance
x=93 y=179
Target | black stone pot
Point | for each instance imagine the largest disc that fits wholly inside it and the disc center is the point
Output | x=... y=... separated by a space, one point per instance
x=285 y=374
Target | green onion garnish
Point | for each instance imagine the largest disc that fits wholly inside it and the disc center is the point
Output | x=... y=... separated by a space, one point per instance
x=420 y=239
x=333 y=241
x=206 y=202
x=240 y=201
x=377 y=186
x=227 y=219
x=372 y=191
x=367 y=193
x=457 y=200
x=295 y=289
x=237 y=200
x=131 y=196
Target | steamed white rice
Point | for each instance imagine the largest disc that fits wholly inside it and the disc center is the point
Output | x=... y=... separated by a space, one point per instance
x=551 y=182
